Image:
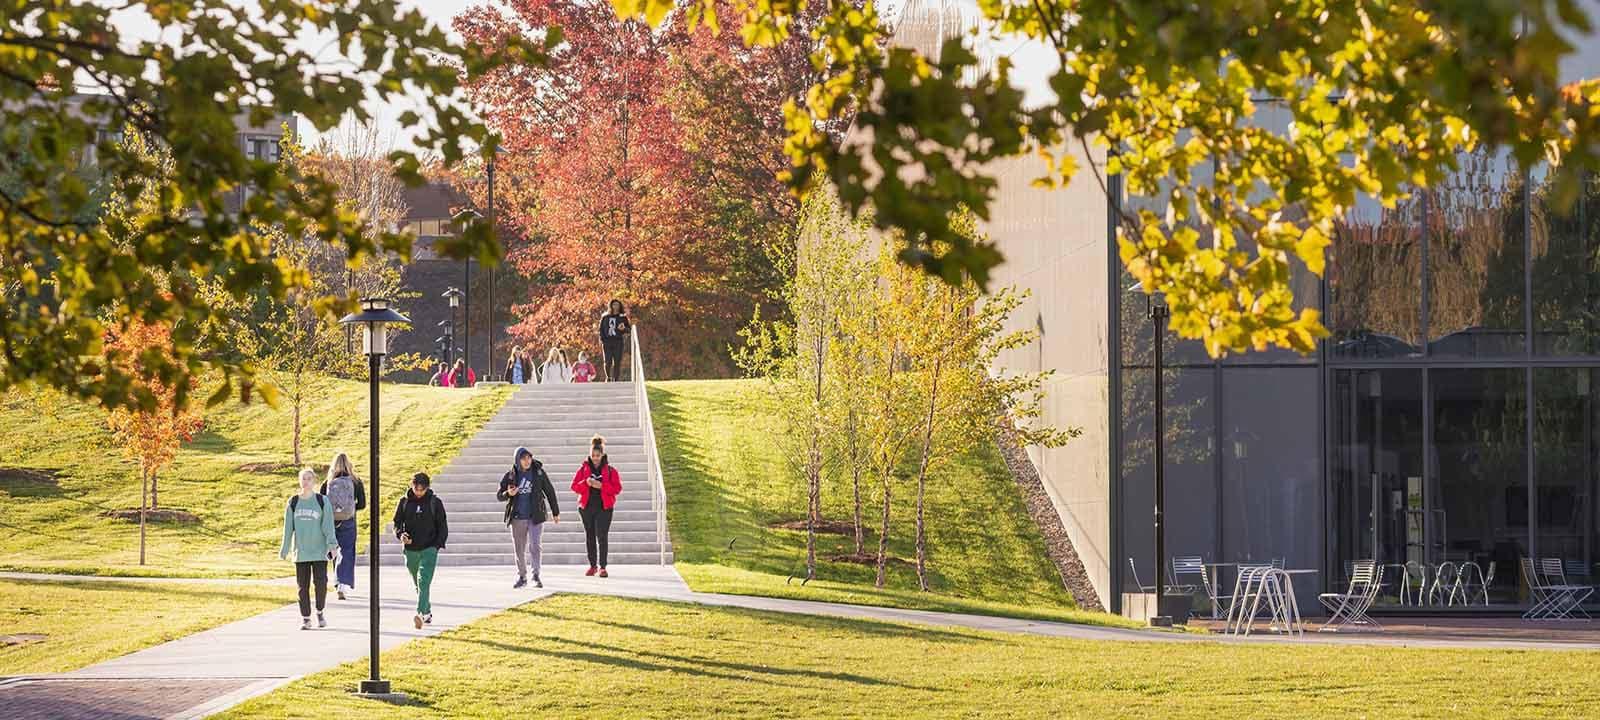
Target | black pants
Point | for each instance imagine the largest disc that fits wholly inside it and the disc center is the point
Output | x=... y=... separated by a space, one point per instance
x=613 y=360
x=596 y=528
x=305 y=573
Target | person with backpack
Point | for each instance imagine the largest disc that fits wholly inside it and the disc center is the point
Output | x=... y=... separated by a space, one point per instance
x=614 y=329
x=308 y=531
x=597 y=484
x=349 y=496
x=525 y=490
x=419 y=523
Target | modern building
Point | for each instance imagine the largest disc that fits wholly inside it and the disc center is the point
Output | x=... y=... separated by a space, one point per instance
x=1450 y=418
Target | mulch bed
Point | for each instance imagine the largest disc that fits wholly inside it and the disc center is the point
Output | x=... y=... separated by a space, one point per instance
x=868 y=559
x=1057 y=544
x=272 y=468
x=156 y=515
x=18 y=476
x=21 y=639
x=828 y=527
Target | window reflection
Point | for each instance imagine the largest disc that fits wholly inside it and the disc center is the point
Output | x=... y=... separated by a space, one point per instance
x=1475 y=259
x=1375 y=281
x=1566 y=265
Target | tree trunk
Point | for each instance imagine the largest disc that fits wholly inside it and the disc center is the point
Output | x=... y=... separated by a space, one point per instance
x=296 y=435
x=155 y=497
x=922 y=475
x=883 y=534
x=814 y=468
x=144 y=490
x=855 y=478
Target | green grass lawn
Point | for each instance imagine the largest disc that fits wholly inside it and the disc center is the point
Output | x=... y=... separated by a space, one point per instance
x=60 y=471
x=591 y=657
x=86 y=622
x=727 y=483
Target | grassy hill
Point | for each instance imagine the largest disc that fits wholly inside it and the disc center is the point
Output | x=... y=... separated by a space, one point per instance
x=728 y=486
x=60 y=473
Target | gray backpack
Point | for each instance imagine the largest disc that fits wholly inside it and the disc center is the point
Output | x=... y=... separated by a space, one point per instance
x=342 y=491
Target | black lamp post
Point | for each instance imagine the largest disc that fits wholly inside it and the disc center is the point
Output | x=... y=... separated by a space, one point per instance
x=1156 y=306
x=453 y=297
x=492 y=270
x=374 y=318
x=462 y=220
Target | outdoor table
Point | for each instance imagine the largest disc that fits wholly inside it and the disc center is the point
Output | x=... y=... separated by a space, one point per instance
x=1216 y=582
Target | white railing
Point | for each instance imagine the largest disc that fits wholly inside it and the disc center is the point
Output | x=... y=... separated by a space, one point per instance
x=652 y=459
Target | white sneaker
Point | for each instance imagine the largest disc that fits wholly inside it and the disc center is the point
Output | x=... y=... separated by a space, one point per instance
x=322 y=622
x=339 y=590
x=428 y=618
x=305 y=623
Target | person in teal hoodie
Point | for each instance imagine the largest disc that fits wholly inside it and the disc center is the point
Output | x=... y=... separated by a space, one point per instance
x=308 y=522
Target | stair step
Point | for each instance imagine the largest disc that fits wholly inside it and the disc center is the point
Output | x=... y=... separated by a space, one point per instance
x=507 y=559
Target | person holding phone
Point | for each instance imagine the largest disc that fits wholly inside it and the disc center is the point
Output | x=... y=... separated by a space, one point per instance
x=614 y=329
x=525 y=490
x=419 y=523
x=597 y=484
x=308 y=531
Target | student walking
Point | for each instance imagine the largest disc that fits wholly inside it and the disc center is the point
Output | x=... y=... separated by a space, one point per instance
x=555 y=370
x=419 y=522
x=344 y=490
x=308 y=528
x=463 y=376
x=525 y=490
x=583 y=371
x=597 y=485
x=614 y=329
x=516 y=368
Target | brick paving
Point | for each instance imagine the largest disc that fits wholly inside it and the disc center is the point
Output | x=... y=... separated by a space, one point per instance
x=53 y=699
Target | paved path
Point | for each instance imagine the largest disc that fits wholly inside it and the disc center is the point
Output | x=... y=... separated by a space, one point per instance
x=216 y=669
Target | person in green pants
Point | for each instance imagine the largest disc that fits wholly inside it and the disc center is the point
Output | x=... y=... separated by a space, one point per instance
x=419 y=523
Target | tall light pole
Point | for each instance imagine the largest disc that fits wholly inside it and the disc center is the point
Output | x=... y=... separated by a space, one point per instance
x=1157 y=307
x=374 y=318
x=462 y=220
x=492 y=270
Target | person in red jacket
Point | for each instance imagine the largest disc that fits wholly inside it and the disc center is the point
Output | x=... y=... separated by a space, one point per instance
x=597 y=485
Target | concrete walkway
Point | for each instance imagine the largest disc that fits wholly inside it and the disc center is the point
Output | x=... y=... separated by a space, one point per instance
x=216 y=669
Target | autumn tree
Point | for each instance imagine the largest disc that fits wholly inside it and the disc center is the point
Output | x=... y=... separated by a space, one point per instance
x=1382 y=97
x=795 y=358
x=964 y=400
x=643 y=165
x=150 y=437
x=74 y=74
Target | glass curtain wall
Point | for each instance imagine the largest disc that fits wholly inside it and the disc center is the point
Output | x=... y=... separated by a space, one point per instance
x=1460 y=420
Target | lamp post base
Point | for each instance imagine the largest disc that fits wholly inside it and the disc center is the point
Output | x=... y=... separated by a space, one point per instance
x=374 y=687
x=1161 y=621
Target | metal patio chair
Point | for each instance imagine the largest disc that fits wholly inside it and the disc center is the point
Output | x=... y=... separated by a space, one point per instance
x=1553 y=599
x=1445 y=579
x=1413 y=583
x=1555 y=575
x=1469 y=587
x=1135 y=573
x=1190 y=574
x=1349 y=608
x=1248 y=586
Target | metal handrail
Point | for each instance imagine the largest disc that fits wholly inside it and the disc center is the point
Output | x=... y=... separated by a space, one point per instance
x=658 y=490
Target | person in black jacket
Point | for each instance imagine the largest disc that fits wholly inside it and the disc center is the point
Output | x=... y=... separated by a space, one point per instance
x=419 y=522
x=614 y=329
x=521 y=490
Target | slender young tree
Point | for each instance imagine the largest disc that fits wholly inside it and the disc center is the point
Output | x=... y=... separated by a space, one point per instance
x=149 y=437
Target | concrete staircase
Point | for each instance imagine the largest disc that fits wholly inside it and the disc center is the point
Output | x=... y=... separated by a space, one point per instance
x=556 y=423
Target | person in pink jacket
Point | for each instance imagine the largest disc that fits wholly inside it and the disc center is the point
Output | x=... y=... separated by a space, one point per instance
x=597 y=484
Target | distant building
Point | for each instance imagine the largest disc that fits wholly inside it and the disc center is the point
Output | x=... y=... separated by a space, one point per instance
x=1448 y=423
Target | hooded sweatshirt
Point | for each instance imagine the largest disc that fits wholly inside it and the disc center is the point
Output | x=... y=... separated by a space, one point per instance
x=308 y=527
x=530 y=484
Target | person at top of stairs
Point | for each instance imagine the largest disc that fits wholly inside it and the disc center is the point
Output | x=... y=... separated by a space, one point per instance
x=597 y=484
x=521 y=490
x=556 y=371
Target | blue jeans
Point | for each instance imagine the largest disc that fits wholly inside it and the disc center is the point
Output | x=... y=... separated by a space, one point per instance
x=345 y=532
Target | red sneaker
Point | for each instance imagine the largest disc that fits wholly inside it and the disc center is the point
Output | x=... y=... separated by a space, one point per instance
x=592 y=571
x=603 y=573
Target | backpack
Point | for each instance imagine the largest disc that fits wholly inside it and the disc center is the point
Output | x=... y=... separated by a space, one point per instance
x=342 y=491
x=294 y=502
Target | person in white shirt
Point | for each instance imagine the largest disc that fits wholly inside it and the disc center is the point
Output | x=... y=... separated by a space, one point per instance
x=556 y=370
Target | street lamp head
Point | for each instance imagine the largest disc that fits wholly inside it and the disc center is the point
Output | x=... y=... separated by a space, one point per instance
x=466 y=217
x=374 y=319
x=453 y=296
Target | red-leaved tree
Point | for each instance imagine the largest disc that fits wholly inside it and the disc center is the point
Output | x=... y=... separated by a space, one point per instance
x=151 y=430
x=640 y=165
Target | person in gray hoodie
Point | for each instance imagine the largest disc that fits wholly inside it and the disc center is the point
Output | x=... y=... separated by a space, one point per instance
x=308 y=528
x=526 y=490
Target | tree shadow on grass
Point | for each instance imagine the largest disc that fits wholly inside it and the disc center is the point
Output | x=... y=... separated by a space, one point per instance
x=695 y=666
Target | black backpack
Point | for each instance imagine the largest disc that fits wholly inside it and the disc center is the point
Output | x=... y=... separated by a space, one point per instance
x=294 y=502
